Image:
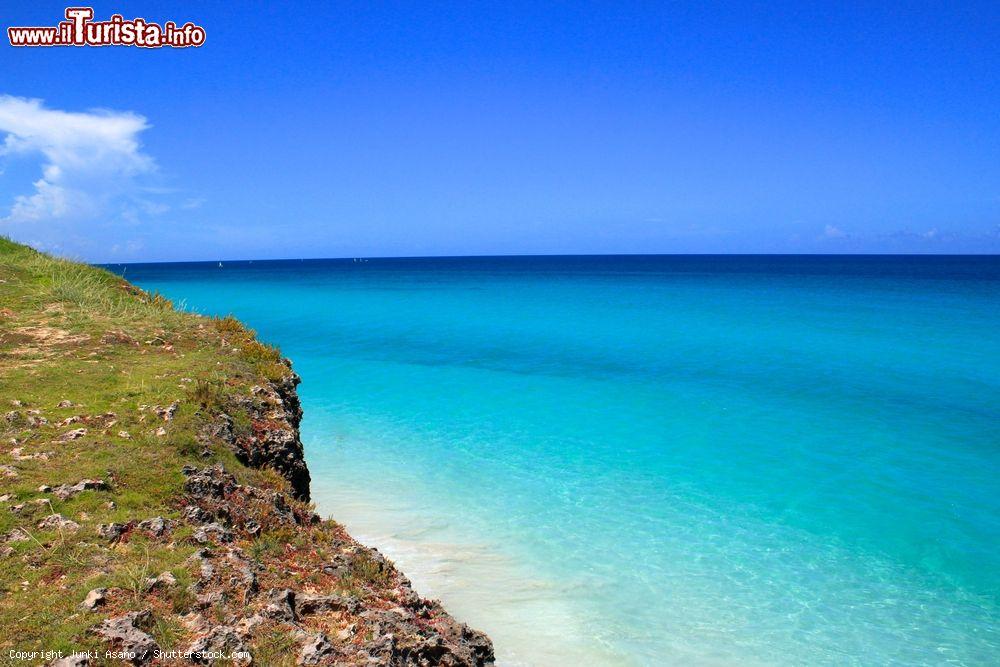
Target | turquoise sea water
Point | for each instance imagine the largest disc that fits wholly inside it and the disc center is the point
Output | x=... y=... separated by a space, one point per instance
x=657 y=460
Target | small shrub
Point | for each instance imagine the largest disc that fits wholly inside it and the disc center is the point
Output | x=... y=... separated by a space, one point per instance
x=188 y=444
x=260 y=353
x=208 y=394
x=367 y=570
x=181 y=596
x=265 y=546
x=133 y=579
x=273 y=647
x=157 y=300
x=231 y=325
x=166 y=632
x=274 y=371
x=242 y=425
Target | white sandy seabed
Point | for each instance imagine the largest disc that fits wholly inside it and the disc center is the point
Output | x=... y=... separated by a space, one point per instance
x=530 y=620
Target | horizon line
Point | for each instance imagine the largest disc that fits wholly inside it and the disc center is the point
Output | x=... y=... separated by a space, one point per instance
x=554 y=255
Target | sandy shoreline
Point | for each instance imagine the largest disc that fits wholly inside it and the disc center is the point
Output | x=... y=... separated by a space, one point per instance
x=531 y=620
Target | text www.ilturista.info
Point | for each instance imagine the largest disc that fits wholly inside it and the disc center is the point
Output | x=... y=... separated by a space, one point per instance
x=80 y=30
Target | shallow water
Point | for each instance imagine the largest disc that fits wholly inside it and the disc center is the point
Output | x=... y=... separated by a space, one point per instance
x=648 y=460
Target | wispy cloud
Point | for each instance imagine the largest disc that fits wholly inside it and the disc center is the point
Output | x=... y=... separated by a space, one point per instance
x=93 y=169
x=931 y=240
x=833 y=232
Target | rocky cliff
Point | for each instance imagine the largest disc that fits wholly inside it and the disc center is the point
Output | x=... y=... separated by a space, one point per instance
x=302 y=591
x=154 y=498
x=273 y=442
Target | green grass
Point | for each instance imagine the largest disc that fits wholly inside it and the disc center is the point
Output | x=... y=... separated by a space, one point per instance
x=70 y=332
x=274 y=648
x=368 y=571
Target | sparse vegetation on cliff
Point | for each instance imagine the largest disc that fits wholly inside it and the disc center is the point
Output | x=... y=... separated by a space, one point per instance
x=153 y=493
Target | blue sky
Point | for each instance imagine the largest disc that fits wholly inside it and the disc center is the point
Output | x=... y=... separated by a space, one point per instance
x=350 y=129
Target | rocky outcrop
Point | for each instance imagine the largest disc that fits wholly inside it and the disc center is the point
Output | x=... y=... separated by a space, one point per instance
x=95 y=599
x=125 y=634
x=335 y=601
x=66 y=491
x=267 y=565
x=385 y=622
x=272 y=440
x=59 y=522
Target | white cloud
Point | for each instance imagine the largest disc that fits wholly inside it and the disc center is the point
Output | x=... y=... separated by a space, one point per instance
x=832 y=232
x=92 y=167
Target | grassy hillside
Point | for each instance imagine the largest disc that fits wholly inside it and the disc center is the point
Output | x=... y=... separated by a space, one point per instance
x=82 y=350
x=105 y=384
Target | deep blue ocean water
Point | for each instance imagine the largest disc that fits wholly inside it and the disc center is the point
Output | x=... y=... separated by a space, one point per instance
x=656 y=460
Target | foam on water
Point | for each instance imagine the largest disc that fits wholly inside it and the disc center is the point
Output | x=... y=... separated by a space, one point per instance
x=657 y=460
